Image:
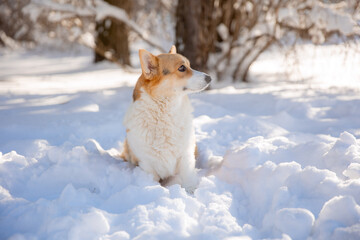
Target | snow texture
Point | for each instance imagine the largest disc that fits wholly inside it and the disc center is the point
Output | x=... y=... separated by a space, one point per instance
x=278 y=159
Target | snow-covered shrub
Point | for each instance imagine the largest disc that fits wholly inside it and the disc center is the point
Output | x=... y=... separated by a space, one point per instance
x=257 y=25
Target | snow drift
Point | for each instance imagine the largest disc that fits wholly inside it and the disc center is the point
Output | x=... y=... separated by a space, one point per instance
x=279 y=160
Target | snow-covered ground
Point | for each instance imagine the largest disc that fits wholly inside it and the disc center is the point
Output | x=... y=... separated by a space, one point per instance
x=281 y=157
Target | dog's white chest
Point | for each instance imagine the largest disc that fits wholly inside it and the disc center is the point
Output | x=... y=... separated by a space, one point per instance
x=160 y=132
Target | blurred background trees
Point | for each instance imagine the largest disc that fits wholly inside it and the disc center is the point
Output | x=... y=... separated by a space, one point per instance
x=112 y=36
x=224 y=37
x=196 y=31
x=14 y=23
x=227 y=36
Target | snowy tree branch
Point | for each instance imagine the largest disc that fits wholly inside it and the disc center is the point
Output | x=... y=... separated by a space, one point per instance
x=99 y=10
x=104 y=10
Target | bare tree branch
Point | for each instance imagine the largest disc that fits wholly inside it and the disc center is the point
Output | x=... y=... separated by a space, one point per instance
x=99 y=11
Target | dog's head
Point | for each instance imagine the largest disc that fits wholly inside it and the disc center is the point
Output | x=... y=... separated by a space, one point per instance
x=170 y=74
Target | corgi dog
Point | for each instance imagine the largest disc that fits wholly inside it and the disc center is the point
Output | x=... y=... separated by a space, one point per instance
x=160 y=137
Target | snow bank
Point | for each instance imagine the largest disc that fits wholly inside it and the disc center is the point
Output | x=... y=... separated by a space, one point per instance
x=278 y=161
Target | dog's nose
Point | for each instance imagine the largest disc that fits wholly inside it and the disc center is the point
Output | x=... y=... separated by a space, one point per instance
x=207 y=78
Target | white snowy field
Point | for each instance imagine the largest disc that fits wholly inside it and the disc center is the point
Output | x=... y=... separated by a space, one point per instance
x=280 y=158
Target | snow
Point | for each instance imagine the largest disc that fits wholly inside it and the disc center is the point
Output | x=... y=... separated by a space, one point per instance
x=279 y=157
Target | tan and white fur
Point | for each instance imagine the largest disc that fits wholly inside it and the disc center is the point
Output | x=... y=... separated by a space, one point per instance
x=160 y=135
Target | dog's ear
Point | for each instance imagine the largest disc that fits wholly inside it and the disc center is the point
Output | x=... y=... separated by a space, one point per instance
x=149 y=64
x=172 y=49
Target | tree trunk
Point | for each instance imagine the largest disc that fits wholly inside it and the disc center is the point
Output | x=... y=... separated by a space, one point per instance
x=13 y=22
x=196 y=31
x=112 y=37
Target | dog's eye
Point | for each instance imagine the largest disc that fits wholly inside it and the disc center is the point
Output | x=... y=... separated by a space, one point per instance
x=182 y=68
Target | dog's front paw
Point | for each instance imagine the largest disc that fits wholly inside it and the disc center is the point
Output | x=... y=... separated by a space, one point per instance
x=191 y=190
x=190 y=183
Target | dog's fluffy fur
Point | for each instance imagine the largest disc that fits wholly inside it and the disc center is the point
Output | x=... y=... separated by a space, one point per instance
x=160 y=136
